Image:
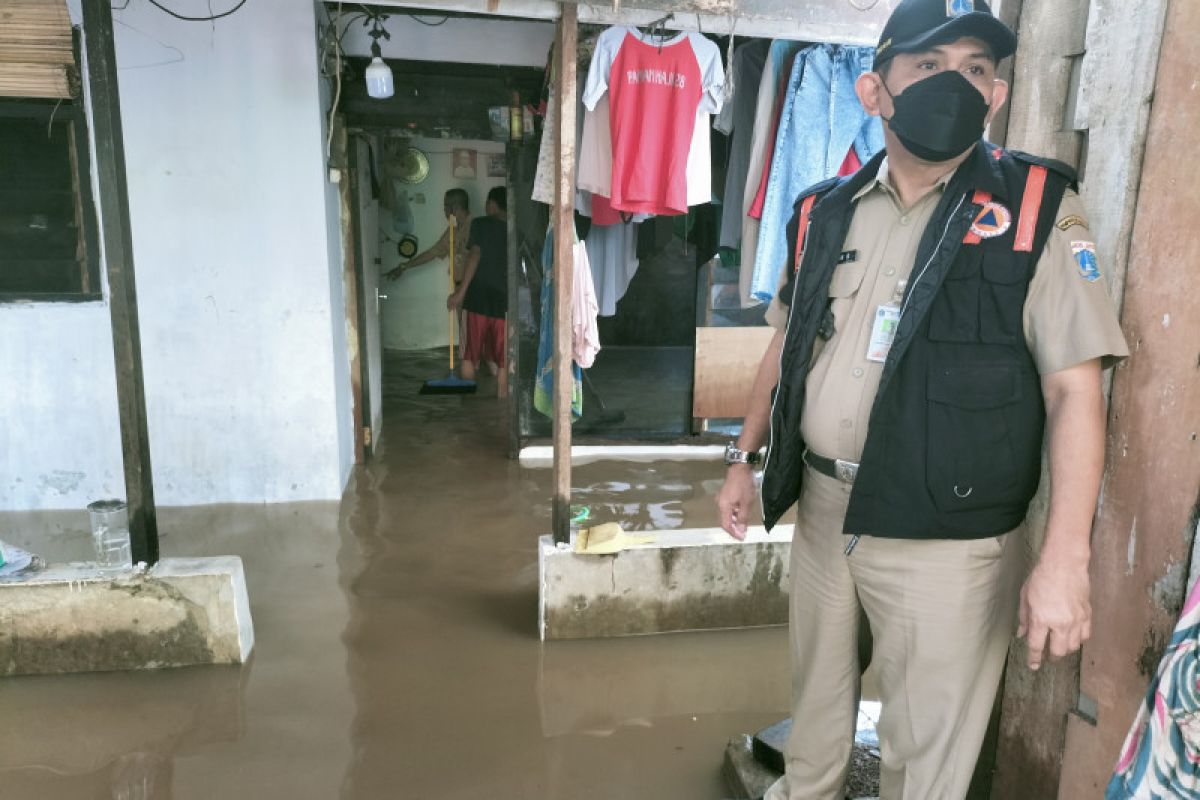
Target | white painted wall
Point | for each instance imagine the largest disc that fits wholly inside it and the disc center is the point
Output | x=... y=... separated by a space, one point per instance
x=505 y=42
x=414 y=316
x=239 y=284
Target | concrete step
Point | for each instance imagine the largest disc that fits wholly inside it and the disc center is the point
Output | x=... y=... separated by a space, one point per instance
x=82 y=618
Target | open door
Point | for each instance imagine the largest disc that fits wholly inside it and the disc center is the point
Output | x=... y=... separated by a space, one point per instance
x=364 y=231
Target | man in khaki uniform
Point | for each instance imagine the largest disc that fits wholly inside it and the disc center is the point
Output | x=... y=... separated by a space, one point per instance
x=942 y=601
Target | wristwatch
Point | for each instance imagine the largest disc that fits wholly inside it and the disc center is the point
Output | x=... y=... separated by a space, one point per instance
x=735 y=456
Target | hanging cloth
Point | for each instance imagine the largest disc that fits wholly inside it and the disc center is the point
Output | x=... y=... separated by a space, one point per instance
x=653 y=107
x=543 y=387
x=820 y=120
x=1161 y=755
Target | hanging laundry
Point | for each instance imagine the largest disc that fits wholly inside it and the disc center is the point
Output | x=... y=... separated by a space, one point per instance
x=821 y=120
x=771 y=91
x=655 y=89
x=1161 y=755
x=547 y=163
x=585 y=335
x=736 y=121
x=612 y=253
x=543 y=387
x=596 y=159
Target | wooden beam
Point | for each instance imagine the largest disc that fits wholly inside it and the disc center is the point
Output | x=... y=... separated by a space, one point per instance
x=564 y=238
x=1148 y=512
x=118 y=257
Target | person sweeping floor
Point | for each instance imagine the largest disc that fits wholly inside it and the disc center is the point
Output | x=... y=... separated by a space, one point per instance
x=483 y=294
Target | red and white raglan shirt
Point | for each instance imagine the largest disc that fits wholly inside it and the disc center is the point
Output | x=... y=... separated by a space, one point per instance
x=655 y=93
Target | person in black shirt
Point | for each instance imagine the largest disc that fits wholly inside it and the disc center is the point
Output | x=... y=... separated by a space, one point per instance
x=483 y=294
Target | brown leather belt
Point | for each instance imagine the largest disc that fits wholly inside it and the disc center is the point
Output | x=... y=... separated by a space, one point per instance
x=844 y=471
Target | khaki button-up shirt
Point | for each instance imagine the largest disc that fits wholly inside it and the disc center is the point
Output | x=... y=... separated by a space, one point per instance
x=1067 y=318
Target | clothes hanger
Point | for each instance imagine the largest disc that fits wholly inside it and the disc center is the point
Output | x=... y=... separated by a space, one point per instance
x=658 y=29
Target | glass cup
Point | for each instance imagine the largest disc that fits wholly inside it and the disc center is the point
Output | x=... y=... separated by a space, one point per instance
x=110 y=533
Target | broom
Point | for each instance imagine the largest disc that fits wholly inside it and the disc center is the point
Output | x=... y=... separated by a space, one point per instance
x=451 y=384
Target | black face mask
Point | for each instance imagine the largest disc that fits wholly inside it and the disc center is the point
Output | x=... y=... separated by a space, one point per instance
x=940 y=117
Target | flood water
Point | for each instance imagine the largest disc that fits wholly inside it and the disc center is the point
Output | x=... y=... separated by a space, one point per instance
x=397 y=652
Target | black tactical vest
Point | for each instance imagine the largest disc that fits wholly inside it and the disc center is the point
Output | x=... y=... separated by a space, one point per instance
x=953 y=450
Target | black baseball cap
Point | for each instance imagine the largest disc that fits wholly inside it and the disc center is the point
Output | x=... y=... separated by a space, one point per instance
x=917 y=25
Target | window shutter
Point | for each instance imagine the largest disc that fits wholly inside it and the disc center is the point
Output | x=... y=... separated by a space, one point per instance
x=37 y=55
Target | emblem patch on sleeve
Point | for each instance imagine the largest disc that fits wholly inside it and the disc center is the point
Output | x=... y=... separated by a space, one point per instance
x=1070 y=222
x=993 y=220
x=1085 y=259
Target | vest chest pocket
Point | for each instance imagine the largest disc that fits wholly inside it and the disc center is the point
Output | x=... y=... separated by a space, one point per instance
x=982 y=298
x=1002 y=297
x=970 y=462
x=954 y=316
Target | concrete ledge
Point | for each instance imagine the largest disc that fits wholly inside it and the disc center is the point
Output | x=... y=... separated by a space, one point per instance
x=692 y=579
x=541 y=456
x=80 y=618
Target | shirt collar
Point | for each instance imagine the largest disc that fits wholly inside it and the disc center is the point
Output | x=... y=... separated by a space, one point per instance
x=981 y=170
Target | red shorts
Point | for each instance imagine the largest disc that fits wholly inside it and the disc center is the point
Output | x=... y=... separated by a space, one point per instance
x=485 y=339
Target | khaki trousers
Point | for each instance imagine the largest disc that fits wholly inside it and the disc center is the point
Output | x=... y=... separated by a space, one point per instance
x=942 y=614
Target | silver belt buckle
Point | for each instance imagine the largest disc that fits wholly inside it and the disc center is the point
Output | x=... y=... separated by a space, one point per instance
x=846 y=471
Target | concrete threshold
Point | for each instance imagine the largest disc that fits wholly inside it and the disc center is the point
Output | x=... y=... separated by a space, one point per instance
x=85 y=618
x=541 y=456
x=690 y=579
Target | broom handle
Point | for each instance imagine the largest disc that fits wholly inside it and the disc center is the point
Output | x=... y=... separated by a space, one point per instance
x=453 y=221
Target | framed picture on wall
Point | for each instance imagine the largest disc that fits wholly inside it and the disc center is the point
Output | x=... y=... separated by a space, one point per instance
x=496 y=165
x=464 y=163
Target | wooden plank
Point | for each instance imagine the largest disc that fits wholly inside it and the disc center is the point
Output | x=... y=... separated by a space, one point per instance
x=1148 y=511
x=34 y=80
x=1109 y=50
x=727 y=360
x=564 y=238
x=118 y=254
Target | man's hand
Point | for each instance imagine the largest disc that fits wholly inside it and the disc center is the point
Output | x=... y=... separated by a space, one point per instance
x=454 y=301
x=392 y=274
x=736 y=499
x=1055 y=606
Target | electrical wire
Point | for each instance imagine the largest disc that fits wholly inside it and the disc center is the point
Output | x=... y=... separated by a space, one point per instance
x=209 y=18
x=443 y=21
x=337 y=94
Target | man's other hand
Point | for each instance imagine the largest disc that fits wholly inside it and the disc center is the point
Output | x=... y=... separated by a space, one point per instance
x=392 y=274
x=736 y=499
x=1056 y=610
x=454 y=301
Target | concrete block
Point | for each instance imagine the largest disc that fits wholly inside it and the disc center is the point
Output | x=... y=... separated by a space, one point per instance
x=745 y=777
x=692 y=579
x=80 y=618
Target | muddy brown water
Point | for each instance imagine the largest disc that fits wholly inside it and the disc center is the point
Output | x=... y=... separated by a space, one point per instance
x=397 y=652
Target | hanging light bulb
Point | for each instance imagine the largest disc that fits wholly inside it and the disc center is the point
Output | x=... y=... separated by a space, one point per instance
x=379 y=75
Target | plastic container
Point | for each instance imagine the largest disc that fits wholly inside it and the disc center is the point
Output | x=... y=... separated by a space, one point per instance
x=110 y=533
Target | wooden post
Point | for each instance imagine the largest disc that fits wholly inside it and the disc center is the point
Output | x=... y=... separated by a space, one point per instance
x=1145 y=529
x=564 y=239
x=118 y=257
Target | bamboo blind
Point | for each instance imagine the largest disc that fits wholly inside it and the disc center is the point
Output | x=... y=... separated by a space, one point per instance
x=36 y=54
